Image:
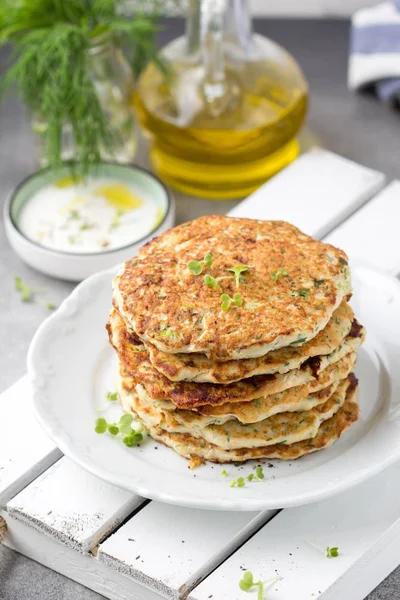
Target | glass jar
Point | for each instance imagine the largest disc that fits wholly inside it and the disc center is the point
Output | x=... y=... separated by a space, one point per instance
x=225 y=116
x=113 y=80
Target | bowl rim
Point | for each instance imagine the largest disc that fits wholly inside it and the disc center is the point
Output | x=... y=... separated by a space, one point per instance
x=12 y=195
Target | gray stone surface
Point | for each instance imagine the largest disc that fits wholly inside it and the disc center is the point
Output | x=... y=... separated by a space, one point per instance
x=356 y=126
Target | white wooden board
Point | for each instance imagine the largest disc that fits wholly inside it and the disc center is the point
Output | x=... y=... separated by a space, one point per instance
x=62 y=517
x=189 y=544
x=83 y=568
x=362 y=523
x=73 y=506
x=20 y=459
x=373 y=233
x=316 y=192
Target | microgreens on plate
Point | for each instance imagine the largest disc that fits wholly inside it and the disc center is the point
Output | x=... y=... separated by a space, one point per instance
x=130 y=437
x=240 y=482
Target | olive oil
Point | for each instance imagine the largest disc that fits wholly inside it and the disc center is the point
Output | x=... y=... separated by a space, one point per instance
x=226 y=149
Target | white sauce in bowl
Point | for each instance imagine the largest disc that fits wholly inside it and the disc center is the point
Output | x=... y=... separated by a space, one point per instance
x=97 y=215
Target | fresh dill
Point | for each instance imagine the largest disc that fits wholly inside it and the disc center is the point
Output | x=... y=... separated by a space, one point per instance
x=51 y=65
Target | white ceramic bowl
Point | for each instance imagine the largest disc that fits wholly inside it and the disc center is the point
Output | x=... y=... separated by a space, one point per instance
x=74 y=266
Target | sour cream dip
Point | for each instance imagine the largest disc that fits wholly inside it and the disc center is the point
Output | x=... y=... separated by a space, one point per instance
x=94 y=215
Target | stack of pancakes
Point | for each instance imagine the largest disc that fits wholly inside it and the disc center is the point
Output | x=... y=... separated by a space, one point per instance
x=235 y=340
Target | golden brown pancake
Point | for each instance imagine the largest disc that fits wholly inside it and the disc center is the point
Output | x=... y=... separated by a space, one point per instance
x=288 y=293
x=198 y=367
x=284 y=427
x=199 y=449
x=134 y=358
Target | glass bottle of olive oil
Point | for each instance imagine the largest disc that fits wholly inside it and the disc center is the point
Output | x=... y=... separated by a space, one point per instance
x=223 y=116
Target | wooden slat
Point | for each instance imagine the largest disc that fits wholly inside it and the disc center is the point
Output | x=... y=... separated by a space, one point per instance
x=372 y=234
x=316 y=193
x=83 y=568
x=72 y=506
x=25 y=450
x=363 y=523
x=170 y=548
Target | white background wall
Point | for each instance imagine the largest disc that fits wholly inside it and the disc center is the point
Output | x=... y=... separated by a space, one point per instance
x=307 y=8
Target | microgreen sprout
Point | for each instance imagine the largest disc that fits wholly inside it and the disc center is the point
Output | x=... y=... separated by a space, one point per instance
x=279 y=273
x=224 y=473
x=113 y=429
x=25 y=290
x=240 y=482
x=302 y=292
x=50 y=306
x=226 y=301
x=212 y=282
x=332 y=552
x=237 y=273
x=247 y=583
x=196 y=266
x=112 y=396
x=100 y=425
x=208 y=260
x=130 y=437
x=259 y=473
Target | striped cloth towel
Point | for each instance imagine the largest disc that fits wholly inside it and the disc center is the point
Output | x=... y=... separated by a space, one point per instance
x=375 y=50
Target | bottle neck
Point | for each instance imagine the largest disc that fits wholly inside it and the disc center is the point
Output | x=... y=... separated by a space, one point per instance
x=237 y=26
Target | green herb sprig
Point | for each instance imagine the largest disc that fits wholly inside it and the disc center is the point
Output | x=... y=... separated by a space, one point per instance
x=212 y=282
x=258 y=475
x=247 y=583
x=27 y=293
x=227 y=301
x=51 y=66
x=240 y=482
x=130 y=436
x=237 y=273
x=329 y=552
x=279 y=273
x=301 y=292
x=196 y=266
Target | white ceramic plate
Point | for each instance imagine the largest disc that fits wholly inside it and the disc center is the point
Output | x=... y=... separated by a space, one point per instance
x=72 y=366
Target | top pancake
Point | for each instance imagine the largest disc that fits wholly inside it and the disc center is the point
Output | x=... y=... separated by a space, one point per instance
x=166 y=304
